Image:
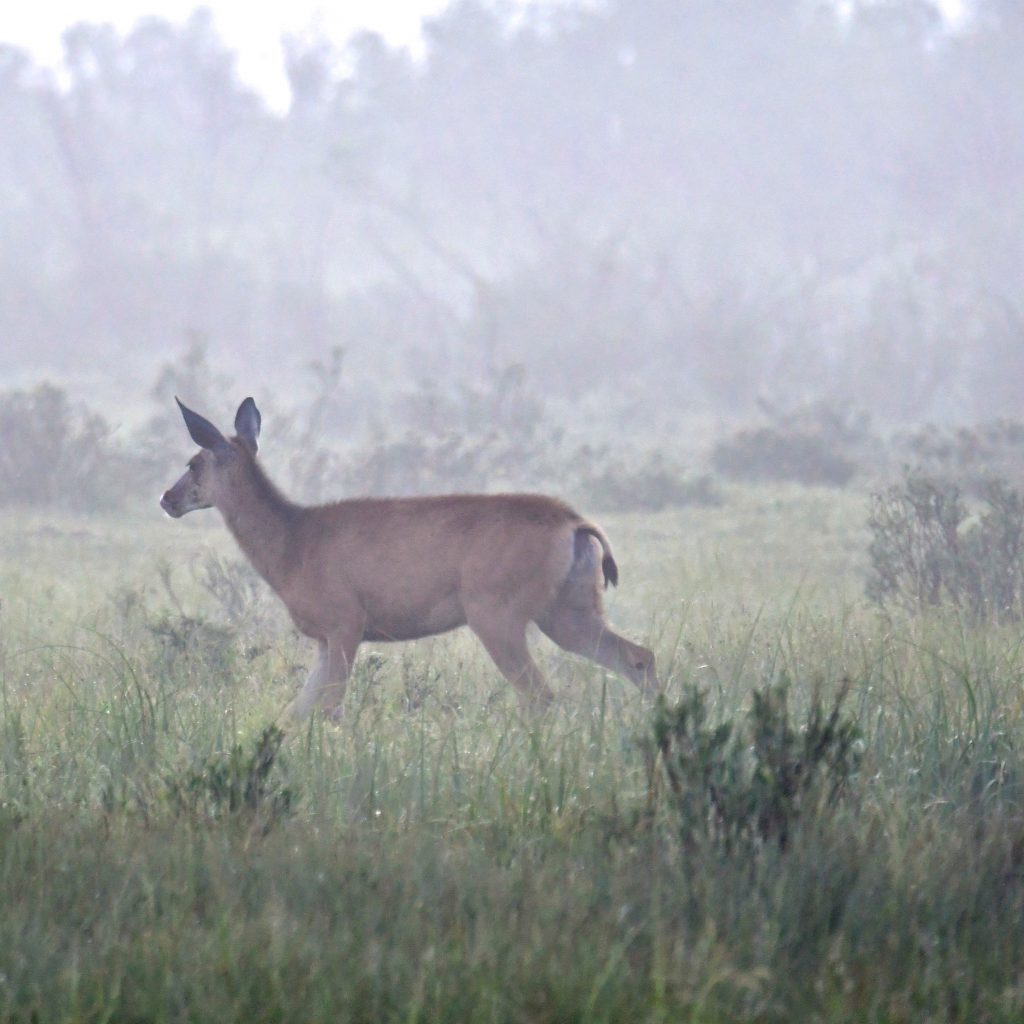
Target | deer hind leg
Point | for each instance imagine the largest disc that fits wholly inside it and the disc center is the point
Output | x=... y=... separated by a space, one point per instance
x=584 y=632
x=504 y=637
x=575 y=622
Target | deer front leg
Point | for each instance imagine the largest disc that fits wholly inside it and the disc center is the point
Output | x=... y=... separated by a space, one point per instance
x=328 y=679
x=341 y=653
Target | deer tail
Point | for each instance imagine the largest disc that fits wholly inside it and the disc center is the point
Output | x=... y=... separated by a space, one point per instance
x=608 y=566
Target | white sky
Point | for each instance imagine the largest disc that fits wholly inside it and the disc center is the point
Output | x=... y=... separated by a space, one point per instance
x=252 y=28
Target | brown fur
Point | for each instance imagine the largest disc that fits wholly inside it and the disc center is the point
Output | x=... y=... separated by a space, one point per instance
x=401 y=568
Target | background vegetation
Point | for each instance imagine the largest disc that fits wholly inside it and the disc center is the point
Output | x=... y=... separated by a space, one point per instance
x=658 y=208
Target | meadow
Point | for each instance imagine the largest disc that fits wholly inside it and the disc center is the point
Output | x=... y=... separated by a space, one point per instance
x=437 y=856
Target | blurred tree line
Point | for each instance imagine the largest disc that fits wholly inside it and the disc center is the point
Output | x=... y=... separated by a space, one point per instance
x=657 y=206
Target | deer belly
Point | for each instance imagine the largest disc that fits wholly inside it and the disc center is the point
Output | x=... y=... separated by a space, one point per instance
x=409 y=622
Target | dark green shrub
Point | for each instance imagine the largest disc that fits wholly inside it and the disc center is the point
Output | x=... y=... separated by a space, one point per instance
x=926 y=549
x=237 y=786
x=748 y=782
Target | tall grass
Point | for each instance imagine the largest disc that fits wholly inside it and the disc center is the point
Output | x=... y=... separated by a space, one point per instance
x=442 y=858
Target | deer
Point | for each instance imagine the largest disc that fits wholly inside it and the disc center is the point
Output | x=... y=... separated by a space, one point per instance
x=401 y=568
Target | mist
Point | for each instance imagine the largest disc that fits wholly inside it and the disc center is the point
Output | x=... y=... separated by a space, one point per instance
x=647 y=212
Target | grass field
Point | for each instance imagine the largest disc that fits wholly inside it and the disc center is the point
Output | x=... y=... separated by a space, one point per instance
x=436 y=856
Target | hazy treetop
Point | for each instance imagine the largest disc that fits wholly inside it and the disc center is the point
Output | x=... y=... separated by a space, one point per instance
x=693 y=203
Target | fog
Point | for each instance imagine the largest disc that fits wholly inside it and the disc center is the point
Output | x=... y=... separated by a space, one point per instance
x=652 y=210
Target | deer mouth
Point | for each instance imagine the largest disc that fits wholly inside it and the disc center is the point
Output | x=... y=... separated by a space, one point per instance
x=173 y=511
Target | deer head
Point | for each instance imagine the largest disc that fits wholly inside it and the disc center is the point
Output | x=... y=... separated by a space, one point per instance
x=211 y=470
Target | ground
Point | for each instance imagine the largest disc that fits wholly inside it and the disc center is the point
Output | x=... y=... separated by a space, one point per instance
x=437 y=856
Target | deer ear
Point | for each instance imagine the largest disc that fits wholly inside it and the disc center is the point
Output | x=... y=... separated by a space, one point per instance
x=203 y=432
x=247 y=423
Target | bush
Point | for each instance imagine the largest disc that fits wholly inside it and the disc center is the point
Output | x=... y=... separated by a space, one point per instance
x=492 y=436
x=817 y=443
x=927 y=550
x=208 y=640
x=496 y=435
x=499 y=436
x=236 y=786
x=59 y=455
x=743 y=784
x=971 y=454
x=644 y=483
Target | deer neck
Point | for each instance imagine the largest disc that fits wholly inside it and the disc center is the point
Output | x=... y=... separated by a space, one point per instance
x=264 y=524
